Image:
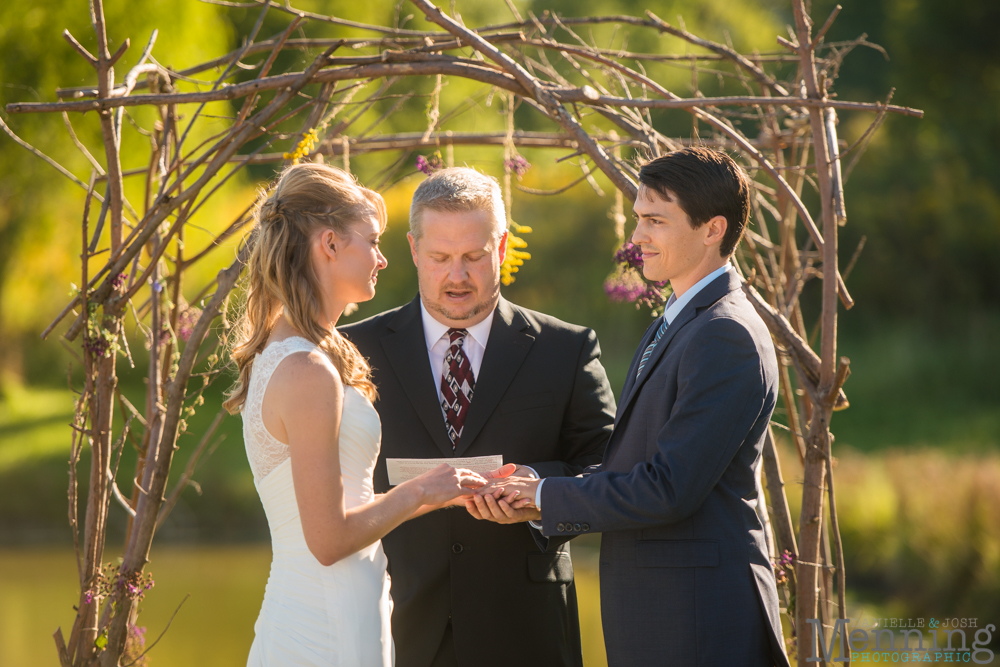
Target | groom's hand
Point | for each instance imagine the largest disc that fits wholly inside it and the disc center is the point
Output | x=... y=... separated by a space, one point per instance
x=506 y=499
x=488 y=508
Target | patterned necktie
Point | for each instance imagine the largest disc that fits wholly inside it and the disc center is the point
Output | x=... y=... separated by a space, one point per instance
x=652 y=346
x=457 y=384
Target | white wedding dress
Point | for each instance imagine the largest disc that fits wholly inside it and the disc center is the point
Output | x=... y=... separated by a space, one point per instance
x=313 y=614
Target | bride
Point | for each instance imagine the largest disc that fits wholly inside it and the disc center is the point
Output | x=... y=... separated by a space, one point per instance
x=311 y=433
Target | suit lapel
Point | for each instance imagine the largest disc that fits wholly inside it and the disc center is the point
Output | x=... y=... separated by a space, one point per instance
x=647 y=338
x=711 y=293
x=511 y=336
x=680 y=320
x=406 y=350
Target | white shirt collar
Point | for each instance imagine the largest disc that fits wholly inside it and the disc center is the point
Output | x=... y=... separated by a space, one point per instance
x=435 y=330
x=675 y=305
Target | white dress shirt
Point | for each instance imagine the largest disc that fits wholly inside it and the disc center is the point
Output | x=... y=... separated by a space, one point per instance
x=436 y=337
x=674 y=306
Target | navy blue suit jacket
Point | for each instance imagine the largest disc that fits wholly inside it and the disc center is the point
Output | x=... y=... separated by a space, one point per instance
x=685 y=575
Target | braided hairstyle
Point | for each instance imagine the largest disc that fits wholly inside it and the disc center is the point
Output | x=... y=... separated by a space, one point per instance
x=279 y=279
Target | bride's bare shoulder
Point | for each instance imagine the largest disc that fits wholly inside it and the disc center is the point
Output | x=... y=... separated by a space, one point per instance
x=304 y=382
x=307 y=369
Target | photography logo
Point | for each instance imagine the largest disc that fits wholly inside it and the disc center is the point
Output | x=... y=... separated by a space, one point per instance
x=951 y=640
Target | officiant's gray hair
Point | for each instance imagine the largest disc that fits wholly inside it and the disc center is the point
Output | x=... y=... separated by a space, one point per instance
x=457 y=190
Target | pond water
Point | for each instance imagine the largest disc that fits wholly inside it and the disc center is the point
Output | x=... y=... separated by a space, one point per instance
x=38 y=588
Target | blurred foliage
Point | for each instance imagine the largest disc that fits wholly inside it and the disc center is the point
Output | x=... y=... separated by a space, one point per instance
x=920 y=530
x=40 y=210
x=927 y=192
x=912 y=386
x=923 y=337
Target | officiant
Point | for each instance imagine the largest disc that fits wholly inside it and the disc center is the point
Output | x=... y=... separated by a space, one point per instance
x=462 y=372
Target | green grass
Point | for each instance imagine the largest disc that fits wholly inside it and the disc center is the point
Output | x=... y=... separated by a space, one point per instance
x=913 y=386
x=920 y=529
x=33 y=425
x=34 y=450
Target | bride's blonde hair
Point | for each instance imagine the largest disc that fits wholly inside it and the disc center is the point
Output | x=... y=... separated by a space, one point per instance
x=279 y=277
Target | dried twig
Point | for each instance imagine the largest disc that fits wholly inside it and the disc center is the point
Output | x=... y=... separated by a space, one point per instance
x=189 y=470
x=157 y=640
x=793 y=122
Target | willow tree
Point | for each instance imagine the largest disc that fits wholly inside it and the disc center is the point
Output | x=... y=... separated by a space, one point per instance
x=603 y=106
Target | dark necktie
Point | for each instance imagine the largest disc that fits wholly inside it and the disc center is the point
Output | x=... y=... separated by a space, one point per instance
x=652 y=346
x=457 y=384
x=659 y=334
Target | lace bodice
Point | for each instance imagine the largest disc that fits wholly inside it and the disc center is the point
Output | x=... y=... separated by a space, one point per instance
x=264 y=451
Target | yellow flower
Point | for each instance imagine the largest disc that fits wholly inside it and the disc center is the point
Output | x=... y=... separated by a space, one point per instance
x=515 y=256
x=304 y=148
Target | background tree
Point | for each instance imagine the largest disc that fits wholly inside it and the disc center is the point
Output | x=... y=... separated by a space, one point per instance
x=33 y=198
x=964 y=240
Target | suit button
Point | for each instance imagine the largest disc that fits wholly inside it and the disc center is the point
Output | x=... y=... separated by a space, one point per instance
x=585 y=527
x=561 y=527
x=456 y=548
x=577 y=527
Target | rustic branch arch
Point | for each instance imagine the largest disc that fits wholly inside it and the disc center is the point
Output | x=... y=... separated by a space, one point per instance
x=797 y=144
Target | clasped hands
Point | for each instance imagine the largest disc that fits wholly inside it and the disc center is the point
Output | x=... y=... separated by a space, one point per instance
x=507 y=497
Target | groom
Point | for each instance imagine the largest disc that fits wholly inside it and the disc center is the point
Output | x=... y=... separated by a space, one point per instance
x=463 y=372
x=685 y=576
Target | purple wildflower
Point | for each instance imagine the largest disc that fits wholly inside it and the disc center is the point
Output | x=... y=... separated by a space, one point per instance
x=652 y=296
x=96 y=345
x=627 y=283
x=88 y=597
x=783 y=568
x=630 y=255
x=157 y=286
x=186 y=322
x=130 y=585
x=518 y=165
x=118 y=281
x=429 y=165
x=625 y=286
x=135 y=642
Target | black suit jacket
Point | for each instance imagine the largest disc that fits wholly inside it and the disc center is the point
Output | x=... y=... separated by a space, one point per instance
x=685 y=576
x=542 y=398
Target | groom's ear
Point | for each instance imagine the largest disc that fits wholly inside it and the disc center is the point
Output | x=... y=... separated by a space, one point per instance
x=715 y=230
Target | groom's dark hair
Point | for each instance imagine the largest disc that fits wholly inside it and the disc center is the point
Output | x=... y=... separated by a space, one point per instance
x=705 y=183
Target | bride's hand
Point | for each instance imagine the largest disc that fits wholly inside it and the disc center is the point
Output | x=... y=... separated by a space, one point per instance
x=444 y=483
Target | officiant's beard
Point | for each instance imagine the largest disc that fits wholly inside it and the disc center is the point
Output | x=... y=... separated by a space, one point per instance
x=462 y=314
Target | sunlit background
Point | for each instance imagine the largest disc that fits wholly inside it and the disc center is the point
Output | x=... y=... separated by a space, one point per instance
x=918 y=451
